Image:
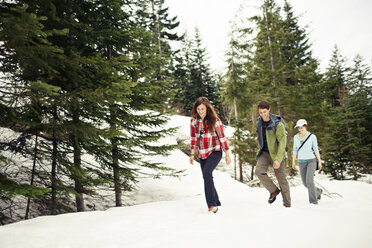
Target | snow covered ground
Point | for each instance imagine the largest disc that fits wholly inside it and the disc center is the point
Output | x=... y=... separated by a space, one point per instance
x=173 y=213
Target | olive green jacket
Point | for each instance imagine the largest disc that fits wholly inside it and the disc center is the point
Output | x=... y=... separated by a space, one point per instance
x=276 y=139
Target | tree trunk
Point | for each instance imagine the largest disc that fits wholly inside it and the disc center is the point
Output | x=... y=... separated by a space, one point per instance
x=115 y=161
x=114 y=149
x=77 y=163
x=54 y=164
x=75 y=135
x=157 y=31
x=116 y=174
x=272 y=62
x=253 y=125
x=32 y=178
x=240 y=171
x=236 y=155
x=235 y=166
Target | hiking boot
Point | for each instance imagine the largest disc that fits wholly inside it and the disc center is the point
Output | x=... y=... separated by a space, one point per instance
x=273 y=195
x=320 y=195
x=213 y=209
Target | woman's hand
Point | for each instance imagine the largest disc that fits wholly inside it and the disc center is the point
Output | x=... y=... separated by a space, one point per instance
x=317 y=154
x=228 y=159
x=294 y=157
x=192 y=159
x=320 y=165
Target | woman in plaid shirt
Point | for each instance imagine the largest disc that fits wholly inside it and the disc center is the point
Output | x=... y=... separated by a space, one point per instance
x=208 y=139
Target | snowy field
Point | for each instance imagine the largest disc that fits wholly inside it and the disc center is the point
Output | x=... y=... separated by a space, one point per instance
x=173 y=213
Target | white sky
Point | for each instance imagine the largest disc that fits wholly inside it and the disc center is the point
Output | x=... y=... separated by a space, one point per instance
x=345 y=23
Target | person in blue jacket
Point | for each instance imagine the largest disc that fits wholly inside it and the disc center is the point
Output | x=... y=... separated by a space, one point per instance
x=307 y=159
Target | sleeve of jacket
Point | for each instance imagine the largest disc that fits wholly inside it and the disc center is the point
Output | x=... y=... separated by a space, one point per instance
x=315 y=144
x=192 y=135
x=281 y=136
x=221 y=135
x=295 y=144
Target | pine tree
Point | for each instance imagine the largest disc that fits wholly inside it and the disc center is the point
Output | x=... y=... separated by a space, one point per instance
x=237 y=94
x=357 y=108
x=24 y=97
x=302 y=81
x=300 y=74
x=155 y=18
x=201 y=75
x=360 y=78
x=28 y=63
x=119 y=87
x=193 y=74
x=128 y=92
x=267 y=62
x=182 y=64
x=337 y=132
x=96 y=67
x=282 y=69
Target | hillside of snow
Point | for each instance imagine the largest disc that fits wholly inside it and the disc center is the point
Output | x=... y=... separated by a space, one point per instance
x=172 y=212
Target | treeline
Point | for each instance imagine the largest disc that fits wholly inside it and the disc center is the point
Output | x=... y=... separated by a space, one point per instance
x=85 y=88
x=269 y=57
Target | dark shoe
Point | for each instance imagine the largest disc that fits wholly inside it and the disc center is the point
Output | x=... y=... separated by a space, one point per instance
x=320 y=195
x=273 y=195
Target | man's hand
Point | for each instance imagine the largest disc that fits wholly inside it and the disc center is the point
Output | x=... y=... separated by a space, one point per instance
x=276 y=165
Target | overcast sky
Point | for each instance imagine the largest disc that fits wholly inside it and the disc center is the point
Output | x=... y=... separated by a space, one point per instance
x=345 y=23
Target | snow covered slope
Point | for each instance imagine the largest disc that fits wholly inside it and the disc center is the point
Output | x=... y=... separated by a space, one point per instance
x=174 y=214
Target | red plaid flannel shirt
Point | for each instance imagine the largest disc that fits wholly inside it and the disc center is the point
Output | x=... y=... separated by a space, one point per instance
x=207 y=142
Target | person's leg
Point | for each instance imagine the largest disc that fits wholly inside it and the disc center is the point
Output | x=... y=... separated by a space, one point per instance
x=283 y=184
x=313 y=193
x=303 y=172
x=208 y=166
x=202 y=166
x=263 y=163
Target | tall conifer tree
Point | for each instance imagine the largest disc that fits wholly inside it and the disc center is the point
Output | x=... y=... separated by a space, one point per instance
x=279 y=66
x=335 y=89
x=198 y=79
x=238 y=95
x=94 y=68
x=348 y=91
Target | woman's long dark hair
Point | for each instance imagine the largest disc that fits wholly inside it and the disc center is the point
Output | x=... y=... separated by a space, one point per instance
x=211 y=116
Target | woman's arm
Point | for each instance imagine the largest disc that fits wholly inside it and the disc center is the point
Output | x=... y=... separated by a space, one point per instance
x=294 y=157
x=193 y=144
x=192 y=156
x=223 y=140
x=317 y=154
x=221 y=135
x=316 y=151
x=294 y=152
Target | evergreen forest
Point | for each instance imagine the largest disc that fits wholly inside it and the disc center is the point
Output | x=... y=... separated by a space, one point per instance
x=98 y=78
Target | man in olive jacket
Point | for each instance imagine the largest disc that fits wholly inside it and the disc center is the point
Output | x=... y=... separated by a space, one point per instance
x=272 y=138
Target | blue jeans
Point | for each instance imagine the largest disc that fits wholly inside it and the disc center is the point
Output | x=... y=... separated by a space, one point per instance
x=207 y=166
